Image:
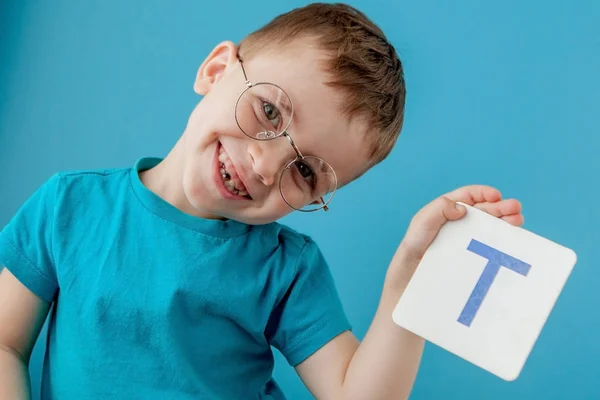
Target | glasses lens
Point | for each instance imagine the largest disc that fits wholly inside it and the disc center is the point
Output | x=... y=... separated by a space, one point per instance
x=308 y=184
x=263 y=111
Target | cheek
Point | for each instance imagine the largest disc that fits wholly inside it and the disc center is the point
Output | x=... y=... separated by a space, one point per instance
x=206 y=124
x=220 y=104
x=192 y=187
x=197 y=179
x=271 y=209
x=275 y=206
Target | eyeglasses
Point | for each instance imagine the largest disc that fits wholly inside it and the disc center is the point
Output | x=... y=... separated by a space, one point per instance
x=264 y=112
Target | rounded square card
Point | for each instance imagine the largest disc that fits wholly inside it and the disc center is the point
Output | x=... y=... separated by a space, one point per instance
x=484 y=290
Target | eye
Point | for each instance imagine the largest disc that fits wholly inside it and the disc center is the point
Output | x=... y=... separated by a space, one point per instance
x=306 y=172
x=304 y=169
x=272 y=113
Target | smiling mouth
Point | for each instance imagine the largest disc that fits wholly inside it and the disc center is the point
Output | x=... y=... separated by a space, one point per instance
x=229 y=176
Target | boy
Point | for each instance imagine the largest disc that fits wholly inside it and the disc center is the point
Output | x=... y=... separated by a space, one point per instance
x=171 y=279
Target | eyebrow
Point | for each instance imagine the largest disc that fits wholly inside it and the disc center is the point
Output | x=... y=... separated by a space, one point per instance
x=288 y=109
x=286 y=106
x=294 y=122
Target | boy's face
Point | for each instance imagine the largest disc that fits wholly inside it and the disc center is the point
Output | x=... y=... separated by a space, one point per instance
x=227 y=174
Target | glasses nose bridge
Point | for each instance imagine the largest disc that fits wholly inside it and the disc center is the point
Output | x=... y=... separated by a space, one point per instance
x=287 y=136
x=272 y=158
x=280 y=151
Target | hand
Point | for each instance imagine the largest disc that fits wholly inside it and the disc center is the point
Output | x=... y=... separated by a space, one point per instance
x=426 y=224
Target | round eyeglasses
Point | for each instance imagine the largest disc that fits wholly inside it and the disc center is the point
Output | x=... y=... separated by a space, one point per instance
x=264 y=111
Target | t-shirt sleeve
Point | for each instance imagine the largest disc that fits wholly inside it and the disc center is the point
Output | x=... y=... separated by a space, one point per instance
x=311 y=313
x=26 y=242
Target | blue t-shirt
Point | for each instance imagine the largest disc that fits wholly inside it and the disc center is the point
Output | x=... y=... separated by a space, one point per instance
x=153 y=303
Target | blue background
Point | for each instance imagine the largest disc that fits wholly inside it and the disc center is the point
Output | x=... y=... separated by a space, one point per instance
x=502 y=93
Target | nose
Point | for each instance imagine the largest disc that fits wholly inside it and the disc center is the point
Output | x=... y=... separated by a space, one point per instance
x=269 y=158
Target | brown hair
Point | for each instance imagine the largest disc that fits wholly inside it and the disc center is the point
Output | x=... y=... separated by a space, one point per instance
x=363 y=64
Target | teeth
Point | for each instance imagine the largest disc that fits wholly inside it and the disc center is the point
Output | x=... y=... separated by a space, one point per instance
x=229 y=175
x=225 y=163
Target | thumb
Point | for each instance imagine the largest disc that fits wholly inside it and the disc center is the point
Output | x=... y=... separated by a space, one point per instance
x=452 y=210
x=427 y=223
x=436 y=214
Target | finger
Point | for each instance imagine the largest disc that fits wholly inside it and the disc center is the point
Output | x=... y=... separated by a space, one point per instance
x=500 y=208
x=426 y=224
x=474 y=194
x=438 y=212
x=452 y=211
x=516 y=220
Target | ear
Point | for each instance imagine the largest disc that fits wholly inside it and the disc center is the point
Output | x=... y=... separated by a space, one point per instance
x=214 y=66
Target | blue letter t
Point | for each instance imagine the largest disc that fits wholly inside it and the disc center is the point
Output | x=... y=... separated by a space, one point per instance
x=496 y=259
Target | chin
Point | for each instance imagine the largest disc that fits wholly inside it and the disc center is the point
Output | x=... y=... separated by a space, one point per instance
x=258 y=219
x=247 y=216
x=196 y=193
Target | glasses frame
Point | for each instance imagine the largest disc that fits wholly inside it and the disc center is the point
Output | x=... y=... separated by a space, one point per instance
x=284 y=132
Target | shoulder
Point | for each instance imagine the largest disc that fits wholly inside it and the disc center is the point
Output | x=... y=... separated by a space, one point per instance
x=297 y=250
x=78 y=194
x=51 y=191
x=90 y=176
x=76 y=184
x=282 y=237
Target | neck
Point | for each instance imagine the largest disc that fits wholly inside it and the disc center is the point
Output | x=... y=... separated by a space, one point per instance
x=166 y=181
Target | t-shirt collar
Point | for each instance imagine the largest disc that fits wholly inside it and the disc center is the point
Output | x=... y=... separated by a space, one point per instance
x=163 y=209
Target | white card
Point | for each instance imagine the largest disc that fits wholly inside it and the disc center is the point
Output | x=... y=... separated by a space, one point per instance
x=484 y=290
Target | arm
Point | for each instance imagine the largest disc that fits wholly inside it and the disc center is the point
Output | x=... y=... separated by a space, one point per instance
x=22 y=316
x=385 y=364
